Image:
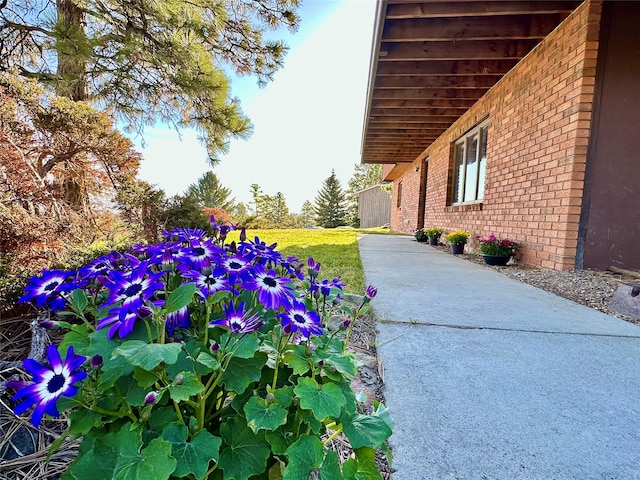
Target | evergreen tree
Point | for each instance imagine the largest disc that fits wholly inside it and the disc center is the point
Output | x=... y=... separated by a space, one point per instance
x=307 y=212
x=209 y=192
x=274 y=211
x=148 y=60
x=256 y=193
x=365 y=175
x=330 y=203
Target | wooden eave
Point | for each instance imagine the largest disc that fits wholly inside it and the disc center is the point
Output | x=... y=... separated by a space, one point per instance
x=432 y=60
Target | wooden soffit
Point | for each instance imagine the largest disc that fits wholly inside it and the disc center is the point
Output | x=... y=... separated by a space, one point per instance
x=432 y=60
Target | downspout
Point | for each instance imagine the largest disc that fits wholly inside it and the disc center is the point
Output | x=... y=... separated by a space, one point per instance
x=381 y=10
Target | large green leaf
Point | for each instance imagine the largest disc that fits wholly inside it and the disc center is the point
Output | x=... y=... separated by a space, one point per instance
x=330 y=469
x=180 y=297
x=343 y=364
x=186 y=388
x=148 y=355
x=365 y=430
x=244 y=453
x=363 y=467
x=241 y=372
x=120 y=456
x=298 y=360
x=192 y=456
x=305 y=455
x=262 y=415
x=208 y=360
x=131 y=391
x=324 y=400
x=245 y=347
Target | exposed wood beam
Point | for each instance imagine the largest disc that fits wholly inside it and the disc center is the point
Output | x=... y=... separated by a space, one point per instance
x=457 y=50
x=422 y=104
x=430 y=93
x=469 y=81
x=470 y=28
x=426 y=114
x=446 y=67
x=384 y=121
x=466 y=9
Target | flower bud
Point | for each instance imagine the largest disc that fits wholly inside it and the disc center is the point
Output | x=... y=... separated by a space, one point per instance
x=47 y=324
x=96 y=361
x=150 y=398
x=345 y=324
x=215 y=347
x=270 y=397
x=243 y=234
x=371 y=292
x=179 y=380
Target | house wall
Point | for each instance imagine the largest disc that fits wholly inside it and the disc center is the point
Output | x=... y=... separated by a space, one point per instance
x=374 y=207
x=611 y=218
x=539 y=119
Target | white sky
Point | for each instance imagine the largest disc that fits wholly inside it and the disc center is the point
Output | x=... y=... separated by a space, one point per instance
x=306 y=122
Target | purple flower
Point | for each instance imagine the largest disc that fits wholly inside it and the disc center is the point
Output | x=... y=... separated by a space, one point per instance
x=123 y=320
x=234 y=267
x=273 y=291
x=150 y=398
x=132 y=288
x=325 y=286
x=299 y=319
x=313 y=268
x=371 y=292
x=200 y=255
x=49 y=383
x=48 y=289
x=237 y=320
x=207 y=284
x=186 y=235
x=179 y=318
x=259 y=250
x=97 y=268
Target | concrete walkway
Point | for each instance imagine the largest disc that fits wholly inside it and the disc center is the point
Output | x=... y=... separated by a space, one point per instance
x=490 y=378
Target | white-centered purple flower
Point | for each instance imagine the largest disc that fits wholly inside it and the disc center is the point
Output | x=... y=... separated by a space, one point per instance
x=49 y=383
x=325 y=286
x=186 y=235
x=207 y=284
x=122 y=321
x=238 y=320
x=200 y=254
x=298 y=319
x=234 y=267
x=260 y=251
x=273 y=291
x=48 y=289
x=132 y=288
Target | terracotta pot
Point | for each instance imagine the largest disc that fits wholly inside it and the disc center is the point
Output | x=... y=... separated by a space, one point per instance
x=500 y=260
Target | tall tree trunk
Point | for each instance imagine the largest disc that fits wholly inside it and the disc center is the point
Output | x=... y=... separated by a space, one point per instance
x=72 y=82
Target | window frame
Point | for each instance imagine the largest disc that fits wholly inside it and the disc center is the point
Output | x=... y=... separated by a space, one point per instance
x=478 y=137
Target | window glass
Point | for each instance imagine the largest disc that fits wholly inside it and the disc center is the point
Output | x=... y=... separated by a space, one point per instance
x=469 y=166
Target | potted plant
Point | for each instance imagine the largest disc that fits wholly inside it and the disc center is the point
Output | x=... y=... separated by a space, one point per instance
x=497 y=251
x=421 y=235
x=434 y=234
x=457 y=239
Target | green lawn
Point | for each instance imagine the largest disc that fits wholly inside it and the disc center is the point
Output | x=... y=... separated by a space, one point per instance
x=337 y=250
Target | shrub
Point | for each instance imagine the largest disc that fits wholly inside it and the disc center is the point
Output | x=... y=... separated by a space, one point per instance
x=457 y=237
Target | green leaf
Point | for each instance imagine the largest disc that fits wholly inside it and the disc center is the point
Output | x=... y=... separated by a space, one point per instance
x=330 y=469
x=324 y=400
x=245 y=347
x=148 y=355
x=180 y=297
x=145 y=378
x=193 y=457
x=264 y=416
x=279 y=440
x=365 y=430
x=219 y=297
x=241 y=372
x=120 y=456
x=76 y=337
x=363 y=467
x=131 y=391
x=343 y=364
x=305 y=455
x=298 y=360
x=81 y=421
x=188 y=387
x=208 y=361
x=244 y=453
x=283 y=396
x=78 y=300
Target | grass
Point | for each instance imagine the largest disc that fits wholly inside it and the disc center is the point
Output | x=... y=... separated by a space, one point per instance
x=337 y=251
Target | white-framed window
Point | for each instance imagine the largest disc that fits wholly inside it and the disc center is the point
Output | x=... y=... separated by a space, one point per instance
x=469 y=165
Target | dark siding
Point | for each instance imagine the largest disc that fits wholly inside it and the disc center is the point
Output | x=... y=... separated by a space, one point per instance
x=374 y=207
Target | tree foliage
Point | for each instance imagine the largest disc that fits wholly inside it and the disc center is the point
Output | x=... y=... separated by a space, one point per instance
x=365 y=175
x=208 y=192
x=46 y=144
x=146 y=61
x=330 y=203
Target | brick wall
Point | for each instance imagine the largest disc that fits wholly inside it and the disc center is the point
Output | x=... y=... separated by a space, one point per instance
x=539 y=120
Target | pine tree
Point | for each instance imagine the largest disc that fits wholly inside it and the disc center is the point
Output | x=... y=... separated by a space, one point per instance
x=209 y=192
x=307 y=212
x=330 y=203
